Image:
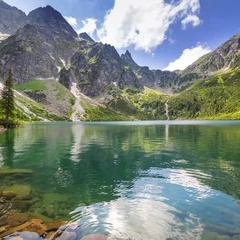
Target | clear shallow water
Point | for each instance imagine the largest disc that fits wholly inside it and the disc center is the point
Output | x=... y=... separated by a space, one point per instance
x=131 y=180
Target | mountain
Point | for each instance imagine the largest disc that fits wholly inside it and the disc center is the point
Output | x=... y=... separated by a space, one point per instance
x=220 y=59
x=11 y=19
x=85 y=36
x=40 y=49
x=215 y=97
x=150 y=78
x=48 y=48
x=34 y=52
x=59 y=75
x=127 y=57
x=48 y=17
x=94 y=66
x=165 y=81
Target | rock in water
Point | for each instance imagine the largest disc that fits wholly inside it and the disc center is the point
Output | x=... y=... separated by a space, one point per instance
x=19 y=191
x=16 y=219
x=23 y=236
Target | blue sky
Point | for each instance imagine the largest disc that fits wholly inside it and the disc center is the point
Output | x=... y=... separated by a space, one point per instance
x=161 y=34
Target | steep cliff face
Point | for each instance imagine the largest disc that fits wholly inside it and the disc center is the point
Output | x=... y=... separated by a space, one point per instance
x=11 y=18
x=85 y=36
x=127 y=57
x=34 y=52
x=95 y=66
x=48 y=48
x=40 y=49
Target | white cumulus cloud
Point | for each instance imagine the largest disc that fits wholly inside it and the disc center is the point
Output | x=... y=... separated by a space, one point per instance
x=142 y=23
x=188 y=56
x=89 y=26
x=72 y=21
x=191 y=19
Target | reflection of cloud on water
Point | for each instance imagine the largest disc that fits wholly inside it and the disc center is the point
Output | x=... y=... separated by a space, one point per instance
x=142 y=212
x=148 y=219
x=77 y=132
x=138 y=219
x=188 y=180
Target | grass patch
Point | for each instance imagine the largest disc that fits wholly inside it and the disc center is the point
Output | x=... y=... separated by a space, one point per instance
x=217 y=97
x=33 y=85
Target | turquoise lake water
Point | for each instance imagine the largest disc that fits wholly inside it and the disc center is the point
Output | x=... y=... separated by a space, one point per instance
x=130 y=180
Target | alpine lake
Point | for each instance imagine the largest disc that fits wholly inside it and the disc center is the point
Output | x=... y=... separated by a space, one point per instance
x=150 y=180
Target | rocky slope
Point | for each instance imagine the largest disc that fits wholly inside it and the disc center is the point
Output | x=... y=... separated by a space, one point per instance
x=11 y=18
x=150 y=78
x=164 y=81
x=40 y=49
x=94 y=66
x=48 y=48
x=222 y=58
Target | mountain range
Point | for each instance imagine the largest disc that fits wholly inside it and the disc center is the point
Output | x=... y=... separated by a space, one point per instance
x=60 y=75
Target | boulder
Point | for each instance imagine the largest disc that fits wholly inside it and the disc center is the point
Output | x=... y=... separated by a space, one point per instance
x=23 y=236
x=18 y=191
x=16 y=219
x=34 y=225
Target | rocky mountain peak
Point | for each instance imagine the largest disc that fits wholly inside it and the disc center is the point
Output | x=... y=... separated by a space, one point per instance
x=48 y=16
x=85 y=36
x=127 y=57
x=11 y=18
x=221 y=58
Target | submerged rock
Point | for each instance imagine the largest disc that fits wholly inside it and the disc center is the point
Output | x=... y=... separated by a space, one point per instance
x=16 y=219
x=23 y=226
x=11 y=171
x=23 y=236
x=55 y=205
x=2 y=229
x=22 y=206
x=34 y=225
x=18 y=191
x=67 y=236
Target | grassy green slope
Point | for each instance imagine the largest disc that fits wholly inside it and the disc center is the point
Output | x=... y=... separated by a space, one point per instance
x=217 y=97
x=137 y=105
x=56 y=99
x=54 y=102
x=127 y=104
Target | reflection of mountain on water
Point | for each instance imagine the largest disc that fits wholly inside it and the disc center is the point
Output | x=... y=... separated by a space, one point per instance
x=112 y=153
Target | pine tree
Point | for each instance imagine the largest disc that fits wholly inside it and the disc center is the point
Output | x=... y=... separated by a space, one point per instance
x=7 y=101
